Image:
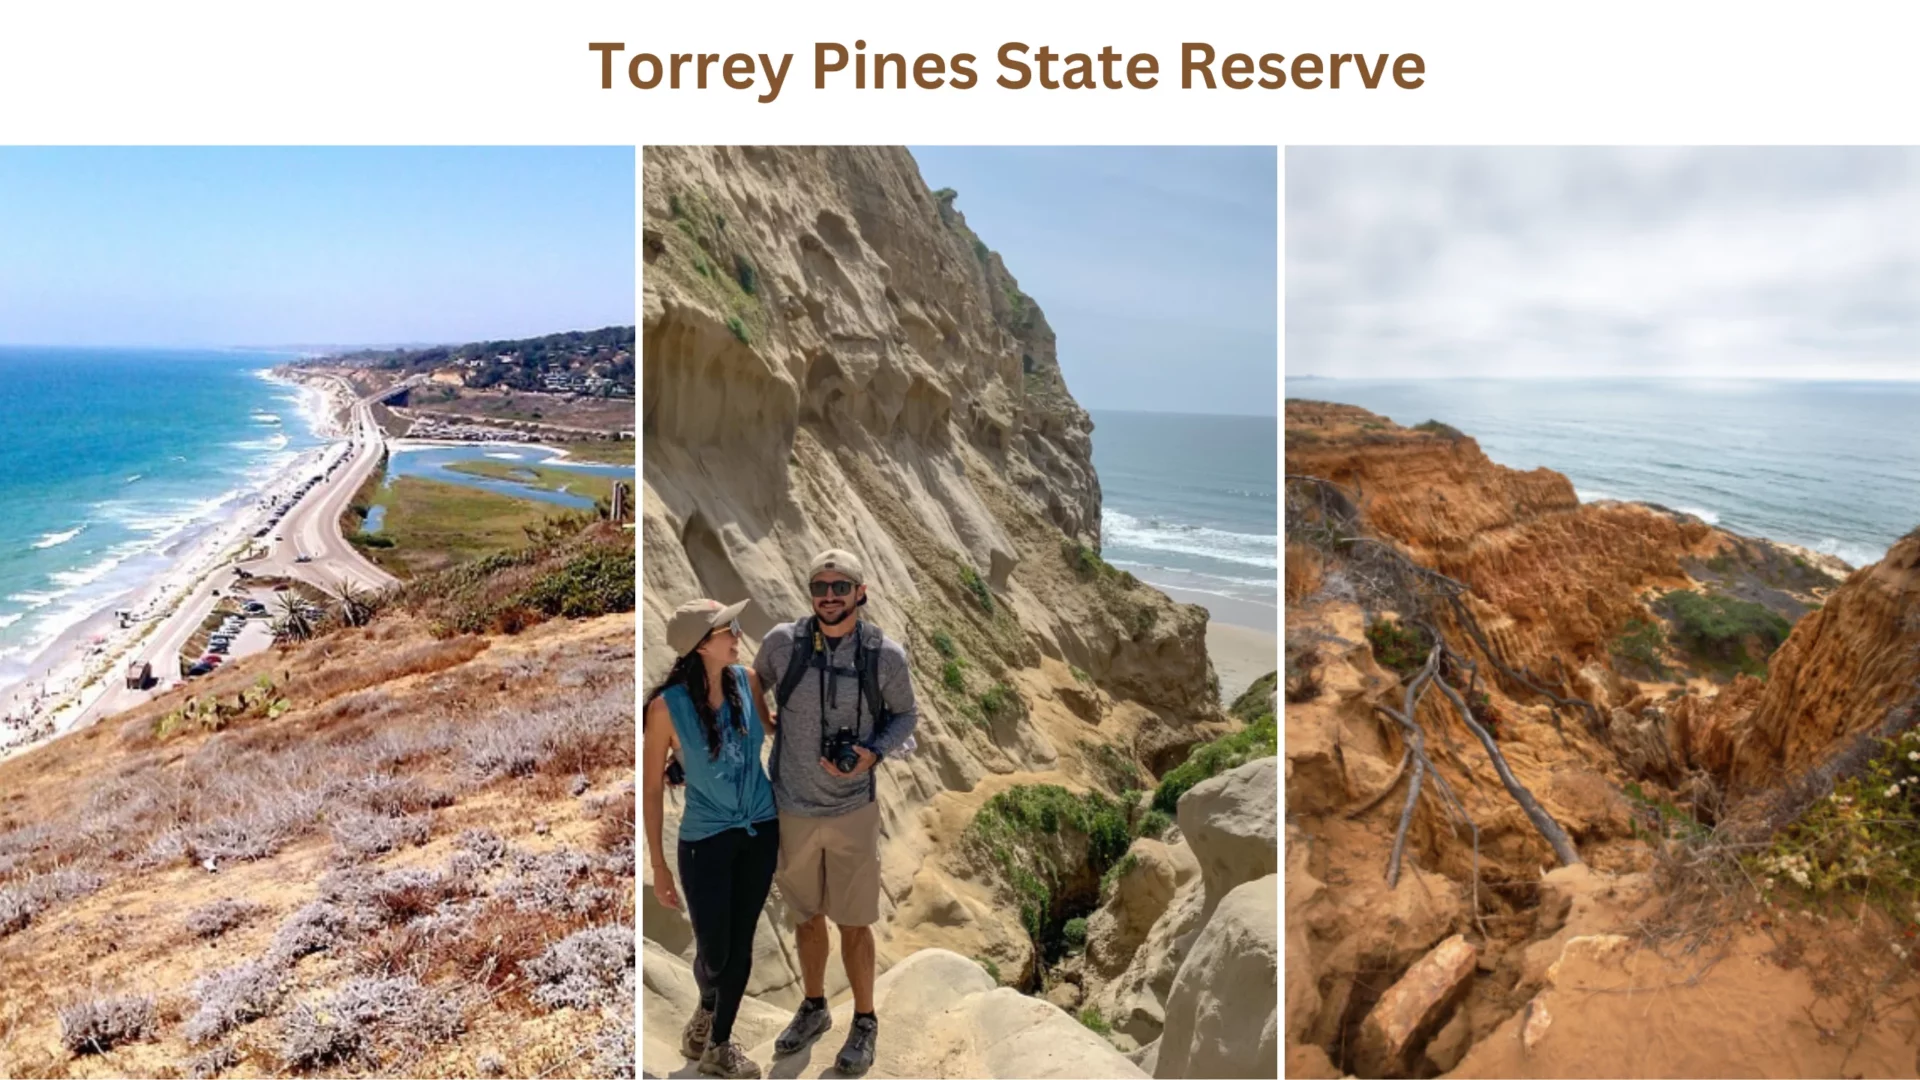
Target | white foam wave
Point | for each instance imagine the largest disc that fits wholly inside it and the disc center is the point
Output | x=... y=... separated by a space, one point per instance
x=1853 y=555
x=1703 y=514
x=1119 y=529
x=34 y=599
x=134 y=477
x=9 y=620
x=1594 y=496
x=55 y=539
x=505 y=457
x=265 y=418
x=272 y=443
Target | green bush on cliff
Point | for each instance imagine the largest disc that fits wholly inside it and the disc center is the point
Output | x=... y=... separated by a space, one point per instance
x=739 y=329
x=1445 y=431
x=1717 y=629
x=950 y=675
x=1401 y=648
x=983 y=596
x=1862 y=840
x=1640 y=644
x=1013 y=828
x=1262 y=739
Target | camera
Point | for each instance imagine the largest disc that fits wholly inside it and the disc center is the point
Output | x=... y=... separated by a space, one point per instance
x=838 y=748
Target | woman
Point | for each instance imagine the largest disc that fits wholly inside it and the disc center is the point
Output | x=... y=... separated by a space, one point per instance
x=708 y=716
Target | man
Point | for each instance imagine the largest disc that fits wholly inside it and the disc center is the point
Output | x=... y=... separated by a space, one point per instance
x=844 y=702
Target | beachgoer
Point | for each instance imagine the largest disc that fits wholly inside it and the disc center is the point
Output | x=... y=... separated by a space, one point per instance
x=708 y=716
x=844 y=703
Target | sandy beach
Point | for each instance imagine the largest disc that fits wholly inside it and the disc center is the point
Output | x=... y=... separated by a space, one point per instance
x=77 y=667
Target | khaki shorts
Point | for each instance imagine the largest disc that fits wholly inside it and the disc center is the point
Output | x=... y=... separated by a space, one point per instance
x=831 y=866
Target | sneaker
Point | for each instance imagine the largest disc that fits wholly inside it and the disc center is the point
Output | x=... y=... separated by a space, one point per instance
x=809 y=1021
x=727 y=1059
x=856 y=1057
x=693 y=1040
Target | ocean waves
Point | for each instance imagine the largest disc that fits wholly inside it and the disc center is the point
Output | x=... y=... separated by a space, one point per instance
x=55 y=539
x=1120 y=530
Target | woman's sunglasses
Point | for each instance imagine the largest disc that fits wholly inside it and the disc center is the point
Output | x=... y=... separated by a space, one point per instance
x=837 y=588
x=731 y=628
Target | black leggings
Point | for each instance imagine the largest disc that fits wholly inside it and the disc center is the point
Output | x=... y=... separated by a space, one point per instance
x=726 y=878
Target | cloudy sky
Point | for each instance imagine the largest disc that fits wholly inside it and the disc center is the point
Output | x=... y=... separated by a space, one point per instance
x=1157 y=266
x=1557 y=262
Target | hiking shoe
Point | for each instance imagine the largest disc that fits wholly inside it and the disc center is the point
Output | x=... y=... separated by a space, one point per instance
x=693 y=1040
x=808 y=1022
x=856 y=1057
x=727 y=1059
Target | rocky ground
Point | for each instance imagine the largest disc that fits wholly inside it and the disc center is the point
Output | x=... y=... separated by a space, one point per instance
x=1653 y=953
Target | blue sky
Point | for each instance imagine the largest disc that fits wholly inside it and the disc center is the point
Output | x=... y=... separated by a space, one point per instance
x=196 y=246
x=1156 y=266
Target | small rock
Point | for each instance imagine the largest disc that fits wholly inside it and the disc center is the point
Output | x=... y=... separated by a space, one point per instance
x=1538 y=1021
x=1066 y=995
x=539 y=828
x=1412 y=1008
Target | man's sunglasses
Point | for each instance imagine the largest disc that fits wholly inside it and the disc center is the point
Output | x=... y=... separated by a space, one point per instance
x=837 y=588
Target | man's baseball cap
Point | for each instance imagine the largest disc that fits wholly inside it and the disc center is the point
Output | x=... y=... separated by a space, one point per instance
x=841 y=562
x=695 y=619
x=845 y=563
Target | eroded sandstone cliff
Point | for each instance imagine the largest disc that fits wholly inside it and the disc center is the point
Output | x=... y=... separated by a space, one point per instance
x=832 y=358
x=1469 y=961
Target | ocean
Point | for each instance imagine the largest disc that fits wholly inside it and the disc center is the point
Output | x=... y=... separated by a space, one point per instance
x=112 y=460
x=1830 y=466
x=1189 y=504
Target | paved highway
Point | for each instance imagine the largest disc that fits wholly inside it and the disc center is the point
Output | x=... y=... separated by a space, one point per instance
x=311 y=527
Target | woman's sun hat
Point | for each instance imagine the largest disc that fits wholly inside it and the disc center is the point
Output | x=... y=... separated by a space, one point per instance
x=695 y=619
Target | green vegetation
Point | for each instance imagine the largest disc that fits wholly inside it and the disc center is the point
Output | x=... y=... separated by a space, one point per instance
x=1079 y=675
x=431 y=524
x=992 y=969
x=578 y=568
x=943 y=644
x=1073 y=934
x=591 y=485
x=1117 y=871
x=980 y=250
x=1721 y=631
x=1403 y=649
x=1861 y=841
x=970 y=578
x=951 y=677
x=1640 y=643
x=1085 y=562
x=520 y=363
x=1018 y=828
x=1673 y=822
x=739 y=329
x=1090 y=1018
x=595 y=582
x=601 y=451
x=1121 y=772
x=744 y=273
x=1154 y=824
x=212 y=713
x=1262 y=739
x=1435 y=427
x=999 y=701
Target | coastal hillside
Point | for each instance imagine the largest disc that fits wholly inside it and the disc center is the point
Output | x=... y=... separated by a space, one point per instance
x=1538 y=748
x=403 y=847
x=834 y=358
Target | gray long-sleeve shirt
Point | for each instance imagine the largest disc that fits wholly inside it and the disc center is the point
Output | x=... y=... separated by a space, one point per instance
x=800 y=785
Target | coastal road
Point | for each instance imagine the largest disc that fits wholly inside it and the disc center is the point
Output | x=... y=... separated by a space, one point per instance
x=311 y=527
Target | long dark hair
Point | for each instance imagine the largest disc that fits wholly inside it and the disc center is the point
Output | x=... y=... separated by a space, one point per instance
x=690 y=671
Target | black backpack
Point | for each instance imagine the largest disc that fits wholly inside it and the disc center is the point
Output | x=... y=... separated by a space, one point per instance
x=803 y=657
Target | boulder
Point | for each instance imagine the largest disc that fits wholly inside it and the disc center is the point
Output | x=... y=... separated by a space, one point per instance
x=1140 y=896
x=1412 y=1009
x=671 y=995
x=1222 y=1016
x=1232 y=823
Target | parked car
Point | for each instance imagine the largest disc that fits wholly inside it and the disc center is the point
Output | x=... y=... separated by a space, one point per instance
x=304 y=558
x=199 y=669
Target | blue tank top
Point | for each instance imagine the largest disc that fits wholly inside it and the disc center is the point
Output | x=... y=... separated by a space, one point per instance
x=730 y=791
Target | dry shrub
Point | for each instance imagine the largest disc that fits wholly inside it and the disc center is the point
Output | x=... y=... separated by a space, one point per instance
x=211 y=920
x=96 y=1026
x=585 y=970
x=234 y=996
x=616 y=823
x=212 y=1062
x=338 y=679
x=496 y=942
x=365 y=1015
x=1304 y=677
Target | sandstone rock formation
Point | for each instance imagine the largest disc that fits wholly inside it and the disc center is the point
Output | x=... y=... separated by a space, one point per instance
x=1230 y=824
x=941 y=1015
x=1222 y=1019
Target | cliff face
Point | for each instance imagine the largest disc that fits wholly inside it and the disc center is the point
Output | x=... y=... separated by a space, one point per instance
x=1552 y=577
x=1840 y=672
x=832 y=358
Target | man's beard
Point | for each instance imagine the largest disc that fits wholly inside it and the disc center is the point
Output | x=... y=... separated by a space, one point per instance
x=837 y=619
